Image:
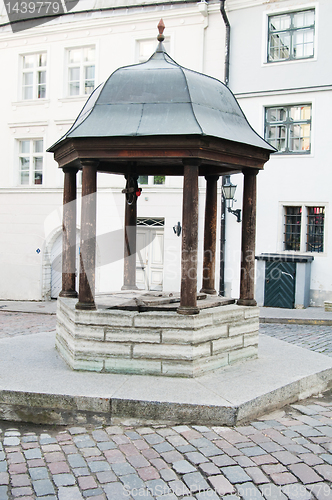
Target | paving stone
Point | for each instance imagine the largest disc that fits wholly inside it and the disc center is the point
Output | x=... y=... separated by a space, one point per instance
x=209 y=469
x=20 y=480
x=253 y=451
x=274 y=468
x=157 y=487
x=21 y=491
x=195 y=482
x=138 y=461
x=312 y=459
x=159 y=463
x=93 y=493
x=87 y=482
x=286 y=458
x=171 y=456
x=162 y=447
x=270 y=447
x=106 y=445
x=150 y=453
x=43 y=487
x=296 y=492
x=81 y=471
x=223 y=460
x=70 y=493
x=248 y=491
x=63 y=479
x=221 y=485
x=176 y=440
x=4 y=478
x=211 y=495
x=168 y=474
x=179 y=488
x=106 y=477
x=322 y=491
x=244 y=461
x=3 y=493
x=235 y=474
x=76 y=460
x=100 y=435
x=272 y=492
x=325 y=471
x=58 y=467
x=17 y=468
x=122 y=469
x=256 y=475
x=114 y=456
x=38 y=473
x=99 y=466
x=283 y=478
x=153 y=438
x=210 y=451
x=183 y=467
x=305 y=473
x=148 y=473
x=128 y=449
x=196 y=458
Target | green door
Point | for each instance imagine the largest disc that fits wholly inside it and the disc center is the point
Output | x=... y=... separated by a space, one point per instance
x=280 y=284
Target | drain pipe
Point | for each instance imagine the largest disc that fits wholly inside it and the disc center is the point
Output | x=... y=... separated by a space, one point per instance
x=227 y=40
x=223 y=203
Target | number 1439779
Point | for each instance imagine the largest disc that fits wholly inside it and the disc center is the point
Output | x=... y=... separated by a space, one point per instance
x=33 y=7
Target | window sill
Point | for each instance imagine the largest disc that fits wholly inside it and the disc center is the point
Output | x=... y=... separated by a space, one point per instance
x=33 y=102
x=289 y=61
x=74 y=98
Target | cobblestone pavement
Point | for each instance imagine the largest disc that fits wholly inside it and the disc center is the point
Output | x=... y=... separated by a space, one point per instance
x=314 y=337
x=287 y=455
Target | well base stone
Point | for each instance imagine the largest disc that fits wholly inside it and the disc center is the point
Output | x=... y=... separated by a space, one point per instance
x=155 y=342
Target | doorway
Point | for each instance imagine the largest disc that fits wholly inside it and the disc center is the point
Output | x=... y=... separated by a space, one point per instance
x=150 y=254
x=280 y=284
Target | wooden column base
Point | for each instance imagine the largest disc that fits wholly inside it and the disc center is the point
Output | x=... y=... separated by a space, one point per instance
x=88 y=306
x=246 y=302
x=210 y=291
x=68 y=293
x=187 y=310
x=129 y=287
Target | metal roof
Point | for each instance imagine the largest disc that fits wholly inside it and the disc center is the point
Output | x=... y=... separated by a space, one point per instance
x=160 y=97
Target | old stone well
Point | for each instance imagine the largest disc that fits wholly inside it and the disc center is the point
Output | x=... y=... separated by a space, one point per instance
x=158 y=118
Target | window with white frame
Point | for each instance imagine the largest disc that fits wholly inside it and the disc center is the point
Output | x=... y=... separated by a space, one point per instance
x=304 y=228
x=147 y=47
x=81 y=71
x=288 y=128
x=34 y=67
x=31 y=159
x=291 y=36
x=151 y=180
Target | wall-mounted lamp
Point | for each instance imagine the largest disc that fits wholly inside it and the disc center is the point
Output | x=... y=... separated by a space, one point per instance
x=177 y=229
x=228 y=191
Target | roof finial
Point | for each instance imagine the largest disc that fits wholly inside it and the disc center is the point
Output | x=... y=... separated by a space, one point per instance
x=161 y=28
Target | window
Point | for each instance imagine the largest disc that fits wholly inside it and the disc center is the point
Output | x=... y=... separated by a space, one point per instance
x=292 y=235
x=315 y=229
x=30 y=162
x=145 y=48
x=311 y=225
x=81 y=71
x=151 y=180
x=288 y=128
x=34 y=76
x=291 y=36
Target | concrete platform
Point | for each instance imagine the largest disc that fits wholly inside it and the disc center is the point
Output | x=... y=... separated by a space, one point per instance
x=37 y=386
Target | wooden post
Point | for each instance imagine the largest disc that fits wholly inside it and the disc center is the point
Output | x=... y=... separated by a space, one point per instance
x=210 y=235
x=69 y=234
x=247 y=285
x=129 y=275
x=86 y=296
x=188 y=302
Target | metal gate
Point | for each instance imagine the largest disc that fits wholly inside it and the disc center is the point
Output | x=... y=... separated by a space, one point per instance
x=280 y=284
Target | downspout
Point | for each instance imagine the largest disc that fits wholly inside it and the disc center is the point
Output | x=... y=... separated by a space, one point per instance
x=227 y=40
x=223 y=203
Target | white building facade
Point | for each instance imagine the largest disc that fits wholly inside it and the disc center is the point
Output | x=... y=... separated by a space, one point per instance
x=280 y=74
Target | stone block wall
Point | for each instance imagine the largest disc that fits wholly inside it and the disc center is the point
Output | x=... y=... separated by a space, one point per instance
x=156 y=343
